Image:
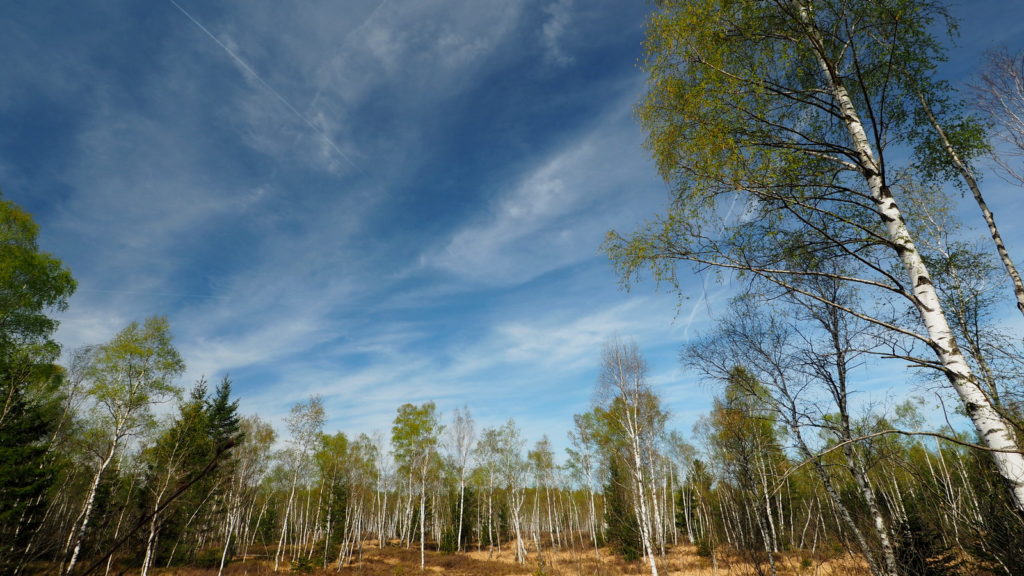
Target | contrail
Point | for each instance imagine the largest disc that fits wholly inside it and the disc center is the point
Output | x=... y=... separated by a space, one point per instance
x=270 y=88
x=704 y=285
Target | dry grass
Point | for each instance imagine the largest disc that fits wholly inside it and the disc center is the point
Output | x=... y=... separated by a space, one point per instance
x=680 y=561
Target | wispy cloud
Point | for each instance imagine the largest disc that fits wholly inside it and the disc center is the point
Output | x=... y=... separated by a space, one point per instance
x=558 y=213
x=204 y=177
x=255 y=76
x=559 y=18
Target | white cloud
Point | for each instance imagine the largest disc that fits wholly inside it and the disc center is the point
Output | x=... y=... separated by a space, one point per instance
x=274 y=265
x=407 y=56
x=559 y=19
x=559 y=212
x=483 y=251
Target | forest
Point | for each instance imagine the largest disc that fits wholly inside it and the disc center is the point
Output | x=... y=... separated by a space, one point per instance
x=814 y=156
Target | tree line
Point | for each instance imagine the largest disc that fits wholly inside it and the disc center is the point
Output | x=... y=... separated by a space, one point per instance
x=810 y=150
x=782 y=472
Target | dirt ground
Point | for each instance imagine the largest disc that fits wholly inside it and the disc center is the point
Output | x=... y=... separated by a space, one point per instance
x=682 y=560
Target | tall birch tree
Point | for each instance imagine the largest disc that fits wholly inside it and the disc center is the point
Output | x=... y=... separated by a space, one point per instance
x=512 y=472
x=127 y=376
x=305 y=424
x=772 y=121
x=999 y=95
x=461 y=441
x=414 y=436
x=582 y=463
x=634 y=414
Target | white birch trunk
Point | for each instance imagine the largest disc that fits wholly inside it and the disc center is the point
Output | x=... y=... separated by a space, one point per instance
x=147 y=560
x=881 y=526
x=120 y=519
x=284 y=523
x=990 y=220
x=992 y=430
x=462 y=502
x=423 y=503
x=640 y=506
x=227 y=543
x=79 y=533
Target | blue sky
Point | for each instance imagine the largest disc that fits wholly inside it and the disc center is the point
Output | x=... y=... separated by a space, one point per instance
x=378 y=202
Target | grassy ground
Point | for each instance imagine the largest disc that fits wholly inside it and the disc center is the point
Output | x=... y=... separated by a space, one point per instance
x=680 y=561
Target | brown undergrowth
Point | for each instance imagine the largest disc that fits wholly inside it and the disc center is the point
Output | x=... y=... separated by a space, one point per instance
x=682 y=560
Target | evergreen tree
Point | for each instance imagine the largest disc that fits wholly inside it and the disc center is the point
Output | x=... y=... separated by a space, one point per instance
x=222 y=416
x=32 y=285
x=27 y=468
x=622 y=532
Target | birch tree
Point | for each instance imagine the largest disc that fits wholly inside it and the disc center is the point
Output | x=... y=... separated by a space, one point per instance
x=415 y=436
x=305 y=424
x=786 y=110
x=950 y=152
x=175 y=450
x=999 y=95
x=743 y=439
x=766 y=358
x=542 y=465
x=634 y=414
x=462 y=437
x=331 y=459
x=127 y=376
x=512 y=472
x=583 y=463
x=487 y=455
x=250 y=461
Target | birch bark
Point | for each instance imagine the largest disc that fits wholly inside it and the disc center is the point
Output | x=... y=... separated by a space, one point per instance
x=990 y=219
x=78 y=533
x=992 y=430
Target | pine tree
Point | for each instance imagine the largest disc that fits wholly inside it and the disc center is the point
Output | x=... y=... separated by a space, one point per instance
x=622 y=532
x=32 y=285
x=222 y=416
x=27 y=469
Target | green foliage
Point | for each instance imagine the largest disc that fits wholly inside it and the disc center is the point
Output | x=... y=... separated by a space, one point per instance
x=743 y=124
x=303 y=565
x=967 y=135
x=198 y=434
x=744 y=441
x=223 y=421
x=333 y=459
x=209 y=558
x=449 y=536
x=33 y=284
x=27 y=468
x=732 y=83
x=622 y=532
x=503 y=528
x=415 y=432
x=131 y=372
x=449 y=540
x=697 y=492
x=743 y=429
